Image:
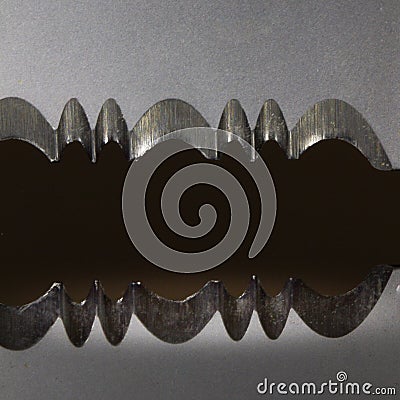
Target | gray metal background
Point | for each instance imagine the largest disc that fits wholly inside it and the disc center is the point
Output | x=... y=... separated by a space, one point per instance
x=204 y=52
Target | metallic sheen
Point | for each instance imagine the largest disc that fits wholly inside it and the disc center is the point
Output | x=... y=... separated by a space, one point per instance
x=179 y=321
x=328 y=119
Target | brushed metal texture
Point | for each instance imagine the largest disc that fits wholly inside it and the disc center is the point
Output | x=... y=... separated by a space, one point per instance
x=328 y=119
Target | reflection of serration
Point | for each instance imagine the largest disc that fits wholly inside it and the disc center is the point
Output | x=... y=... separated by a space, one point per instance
x=179 y=321
x=328 y=119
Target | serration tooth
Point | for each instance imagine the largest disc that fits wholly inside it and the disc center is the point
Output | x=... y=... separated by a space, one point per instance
x=164 y=117
x=74 y=127
x=271 y=125
x=21 y=120
x=78 y=318
x=336 y=119
x=111 y=126
x=234 y=119
x=176 y=321
x=115 y=316
x=236 y=312
x=22 y=327
x=273 y=311
x=336 y=316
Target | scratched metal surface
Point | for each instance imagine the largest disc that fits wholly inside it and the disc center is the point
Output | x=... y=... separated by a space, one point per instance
x=179 y=321
x=328 y=119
